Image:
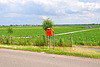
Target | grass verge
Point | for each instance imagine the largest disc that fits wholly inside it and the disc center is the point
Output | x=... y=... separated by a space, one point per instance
x=58 y=50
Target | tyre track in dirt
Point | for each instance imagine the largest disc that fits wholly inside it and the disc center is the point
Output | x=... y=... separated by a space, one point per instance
x=76 y=31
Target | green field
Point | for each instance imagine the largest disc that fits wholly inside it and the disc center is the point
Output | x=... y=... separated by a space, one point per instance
x=38 y=30
x=91 y=37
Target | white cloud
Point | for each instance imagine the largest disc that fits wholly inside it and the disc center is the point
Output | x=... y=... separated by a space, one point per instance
x=13 y=1
x=59 y=6
x=55 y=9
x=91 y=6
x=11 y=15
x=3 y=1
x=93 y=0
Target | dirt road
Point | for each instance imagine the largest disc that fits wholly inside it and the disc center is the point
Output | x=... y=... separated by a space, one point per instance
x=76 y=31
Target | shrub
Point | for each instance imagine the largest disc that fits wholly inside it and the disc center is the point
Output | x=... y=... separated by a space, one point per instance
x=47 y=24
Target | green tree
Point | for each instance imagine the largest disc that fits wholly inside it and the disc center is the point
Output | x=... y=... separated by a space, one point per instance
x=11 y=25
x=10 y=30
x=47 y=23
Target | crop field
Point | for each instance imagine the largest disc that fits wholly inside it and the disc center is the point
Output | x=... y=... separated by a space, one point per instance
x=91 y=37
x=38 y=30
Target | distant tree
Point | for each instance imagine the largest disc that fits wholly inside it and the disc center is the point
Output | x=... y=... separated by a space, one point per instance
x=47 y=23
x=3 y=25
x=10 y=30
x=11 y=25
x=16 y=25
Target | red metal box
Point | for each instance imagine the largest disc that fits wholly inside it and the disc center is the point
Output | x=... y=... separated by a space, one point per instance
x=49 y=31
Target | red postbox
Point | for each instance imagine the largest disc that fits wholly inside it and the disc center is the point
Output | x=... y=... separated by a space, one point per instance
x=49 y=31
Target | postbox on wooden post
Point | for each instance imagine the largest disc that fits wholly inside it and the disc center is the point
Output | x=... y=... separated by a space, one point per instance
x=49 y=33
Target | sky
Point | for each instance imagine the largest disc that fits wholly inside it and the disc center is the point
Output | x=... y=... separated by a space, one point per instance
x=59 y=11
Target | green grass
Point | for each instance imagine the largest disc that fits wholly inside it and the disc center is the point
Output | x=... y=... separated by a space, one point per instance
x=93 y=35
x=38 y=30
x=58 y=50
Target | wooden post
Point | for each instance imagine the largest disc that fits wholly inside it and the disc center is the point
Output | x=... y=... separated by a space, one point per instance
x=86 y=39
x=48 y=41
x=40 y=37
x=44 y=39
x=71 y=41
x=20 y=36
x=10 y=39
x=25 y=38
x=76 y=40
x=30 y=37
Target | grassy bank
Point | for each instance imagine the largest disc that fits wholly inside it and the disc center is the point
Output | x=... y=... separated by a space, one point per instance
x=58 y=50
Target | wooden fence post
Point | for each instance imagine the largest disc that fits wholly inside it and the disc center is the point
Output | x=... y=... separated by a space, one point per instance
x=86 y=39
x=76 y=40
x=10 y=39
x=71 y=41
x=20 y=36
x=44 y=39
x=48 y=41
x=25 y=38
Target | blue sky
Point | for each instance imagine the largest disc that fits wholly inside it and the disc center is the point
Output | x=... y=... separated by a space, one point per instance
x=60 y=11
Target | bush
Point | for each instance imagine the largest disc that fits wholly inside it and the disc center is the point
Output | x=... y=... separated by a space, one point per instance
x=47 y=24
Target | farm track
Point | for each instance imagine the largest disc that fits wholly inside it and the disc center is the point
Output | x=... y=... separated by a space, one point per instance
x=76 y=31
x=89 y=48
